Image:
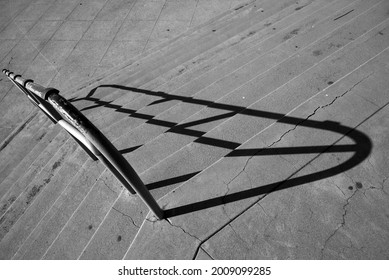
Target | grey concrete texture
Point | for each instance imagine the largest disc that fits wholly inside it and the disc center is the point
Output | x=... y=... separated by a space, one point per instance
x=239 y=218
x=140 y=169
x=80 y=216
x=45 y=40
x=45 y=68
x=192 y=155
x=217 y=180
x=258 y=148
x=50 y=54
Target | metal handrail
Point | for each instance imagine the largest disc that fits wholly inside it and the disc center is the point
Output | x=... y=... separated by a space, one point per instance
x=89 y=137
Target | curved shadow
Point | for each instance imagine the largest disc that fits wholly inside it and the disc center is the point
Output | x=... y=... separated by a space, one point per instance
x=361 y=148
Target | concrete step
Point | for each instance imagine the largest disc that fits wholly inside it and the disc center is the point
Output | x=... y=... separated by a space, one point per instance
x=167 y=143
x=21 y=149
x=224 y=20
x=18 y=171
x=144 y=116
x=83 y=227
x=135 y=97
x=137 y=62
x=36 y=242
x=210 y=47
x=222 y=17
x=183 y=107
x=197 y=158
x=296 y=7
x=100 y=114
x=70 y=229
x=211 y=202
x=22 y=202
x=56 y=185
x=37 y=165
x=13 y=149
x=17 y=188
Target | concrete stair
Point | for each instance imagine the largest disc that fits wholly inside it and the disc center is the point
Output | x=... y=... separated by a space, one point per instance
x=183 y=114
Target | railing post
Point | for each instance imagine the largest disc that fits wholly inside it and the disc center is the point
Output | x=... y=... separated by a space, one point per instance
x=104 y=146
x=80 y=128
x=45 y=107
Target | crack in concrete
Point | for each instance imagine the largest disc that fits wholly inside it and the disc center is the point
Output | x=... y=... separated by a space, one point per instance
x=311 y=212
x=288 y=131
x=183 y=230
x=272 y=144
x=132 y=220
x=379 y=175
x=152 y=221
x=341 y=225
x=376 y=188
x=383 y=185
x=263 y=209
x=106 y=184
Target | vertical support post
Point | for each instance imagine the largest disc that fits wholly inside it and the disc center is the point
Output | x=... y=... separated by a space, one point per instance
x=105 y=147
x=80 y=128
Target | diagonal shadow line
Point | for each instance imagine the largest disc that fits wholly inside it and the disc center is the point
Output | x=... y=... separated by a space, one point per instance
x=171 y=181
x=361 y=149
x=168 y=97
x=152 y=120
x=262 y=152
x=175 y=127
x=180 y=128
x=163 y=100
x=206 y=120
x=129 y=150
x=293 y=150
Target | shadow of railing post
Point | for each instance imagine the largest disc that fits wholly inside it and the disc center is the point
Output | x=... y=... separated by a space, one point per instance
x=89 y=137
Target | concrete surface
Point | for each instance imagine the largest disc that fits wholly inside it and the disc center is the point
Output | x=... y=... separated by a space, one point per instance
x=45 y=39
x=263 y=133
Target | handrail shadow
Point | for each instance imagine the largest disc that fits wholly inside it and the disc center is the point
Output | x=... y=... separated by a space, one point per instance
x=362 y=146
x=362 y=149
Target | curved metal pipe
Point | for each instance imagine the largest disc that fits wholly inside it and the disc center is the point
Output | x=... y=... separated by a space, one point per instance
x=72 y=130
x=87 y=135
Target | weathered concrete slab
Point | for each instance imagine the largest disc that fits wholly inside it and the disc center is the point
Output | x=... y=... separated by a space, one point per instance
x=177 y=157
x=342 y=217
x=285 y=66
x=87 y=10
x=72 y=30
x=35 y=246
x=239 y=173
x=55 y=186
x=81 y=218
x=11 y=152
